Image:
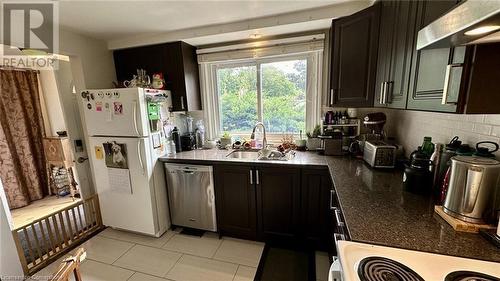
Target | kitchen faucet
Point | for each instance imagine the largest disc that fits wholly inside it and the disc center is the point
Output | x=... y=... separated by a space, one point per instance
x=252 y=137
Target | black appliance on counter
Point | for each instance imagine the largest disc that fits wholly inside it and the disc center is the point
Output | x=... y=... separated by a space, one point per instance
x=418 y=176
x=188 y=142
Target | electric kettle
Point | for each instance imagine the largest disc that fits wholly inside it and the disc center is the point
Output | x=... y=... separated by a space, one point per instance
x=473 y=191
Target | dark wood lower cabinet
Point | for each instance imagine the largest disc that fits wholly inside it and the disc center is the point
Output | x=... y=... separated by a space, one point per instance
x=316 y=216
x=235 y=201
x=278 y=203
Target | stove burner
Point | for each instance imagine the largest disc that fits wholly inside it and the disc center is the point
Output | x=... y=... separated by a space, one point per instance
x=384 y=269
x=469 y=276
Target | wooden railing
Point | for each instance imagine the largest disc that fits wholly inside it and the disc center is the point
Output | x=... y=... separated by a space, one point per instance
x=47 y=238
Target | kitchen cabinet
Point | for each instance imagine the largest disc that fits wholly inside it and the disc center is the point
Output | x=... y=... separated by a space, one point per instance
x=235 y=201
x=278 y=203
x=432 y=67
x=354 y=58
x=178 y=63
x=317 y=195
x=395 y=49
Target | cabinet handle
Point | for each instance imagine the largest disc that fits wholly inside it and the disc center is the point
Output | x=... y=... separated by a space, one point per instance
x=332 y=192
x=340 y=223
x=387 y=90
x=381 y=97
x=256 y=176
x=446 y=87
x=251 y=176
x=331 y=96
x=182 y=102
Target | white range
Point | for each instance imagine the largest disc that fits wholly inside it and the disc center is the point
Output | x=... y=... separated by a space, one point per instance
x=365 y=262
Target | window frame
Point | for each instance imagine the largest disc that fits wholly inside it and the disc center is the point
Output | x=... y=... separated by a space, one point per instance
x=257 y=62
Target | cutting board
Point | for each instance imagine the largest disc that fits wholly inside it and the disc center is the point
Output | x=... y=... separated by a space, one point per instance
x=460 y=225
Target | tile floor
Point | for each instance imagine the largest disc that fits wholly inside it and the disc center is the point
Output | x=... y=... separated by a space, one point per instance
x=117 y=255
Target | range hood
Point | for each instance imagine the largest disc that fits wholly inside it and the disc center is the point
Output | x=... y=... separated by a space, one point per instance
x=471 y=22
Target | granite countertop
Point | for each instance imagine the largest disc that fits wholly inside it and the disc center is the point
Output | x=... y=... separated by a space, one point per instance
x=376 y=208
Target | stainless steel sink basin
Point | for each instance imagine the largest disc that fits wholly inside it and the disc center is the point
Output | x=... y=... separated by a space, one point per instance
x=244 y=154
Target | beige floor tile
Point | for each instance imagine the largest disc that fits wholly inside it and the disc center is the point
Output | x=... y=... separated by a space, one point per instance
x=145 y=277
x=96 y=271
x=204 y=246
x=137 y=238
x=238 y=251
x=148 y=260
x=322 y=266
x=105 y=249
x=245 y=273
x=191 y=268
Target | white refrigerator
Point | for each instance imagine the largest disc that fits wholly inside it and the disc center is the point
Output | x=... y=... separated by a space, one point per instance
x=124 y=148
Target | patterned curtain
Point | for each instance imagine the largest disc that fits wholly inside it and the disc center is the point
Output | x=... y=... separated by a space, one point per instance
x=22 y=160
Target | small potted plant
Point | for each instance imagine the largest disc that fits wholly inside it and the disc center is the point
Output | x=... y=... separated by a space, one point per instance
x=226 y=140
x=313 y=142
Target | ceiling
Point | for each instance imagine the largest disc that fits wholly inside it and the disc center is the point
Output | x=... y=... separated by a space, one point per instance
x=115 y=20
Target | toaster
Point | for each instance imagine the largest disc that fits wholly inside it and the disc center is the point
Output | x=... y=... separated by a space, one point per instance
x=379 y=154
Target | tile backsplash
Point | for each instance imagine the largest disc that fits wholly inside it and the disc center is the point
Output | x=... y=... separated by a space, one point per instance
x=410 y=127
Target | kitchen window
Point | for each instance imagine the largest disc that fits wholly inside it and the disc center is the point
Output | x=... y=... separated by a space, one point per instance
x=278 y=86
x=272 y=92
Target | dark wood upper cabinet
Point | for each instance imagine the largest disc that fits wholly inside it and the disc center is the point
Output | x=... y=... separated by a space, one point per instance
x=278 y=203
x=396 y=44
x=354 y=58
x=483 y=80
x=235 y=201
x=178 y=63
x=316 y=195
x=429 y=66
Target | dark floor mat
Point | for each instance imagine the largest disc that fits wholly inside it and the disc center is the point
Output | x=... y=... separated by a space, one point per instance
x=193 y=232
x=280 y=264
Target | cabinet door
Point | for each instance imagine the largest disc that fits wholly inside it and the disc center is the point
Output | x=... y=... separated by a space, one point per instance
x=316 y=195
x=127 y=61
x=429 y=67
x=278 y=203
x=401 y=53
x=386 y=35
x=354 y=58
x=235 y=201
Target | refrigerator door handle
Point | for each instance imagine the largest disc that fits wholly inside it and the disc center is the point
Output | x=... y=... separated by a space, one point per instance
x=135 y=118
x=140 y=155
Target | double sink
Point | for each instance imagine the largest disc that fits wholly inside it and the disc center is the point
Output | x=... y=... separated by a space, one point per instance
x=255 y=154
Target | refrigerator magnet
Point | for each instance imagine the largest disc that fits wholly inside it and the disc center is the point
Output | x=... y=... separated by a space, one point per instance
x=118 y=108
x=106 y=106
x=98 y=152
x=98 y=106
x=108 y=95
x=116 y=95
x=100 y=95
x=89 y=106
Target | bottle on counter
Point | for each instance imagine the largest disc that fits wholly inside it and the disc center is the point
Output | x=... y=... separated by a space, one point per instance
x=171 y=150
x=428 y=146
x=176 y=137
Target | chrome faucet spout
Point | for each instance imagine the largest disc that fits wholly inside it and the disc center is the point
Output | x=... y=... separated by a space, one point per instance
x=264 y=140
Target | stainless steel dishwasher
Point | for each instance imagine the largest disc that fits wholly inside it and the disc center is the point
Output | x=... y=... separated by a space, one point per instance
x=191 y=196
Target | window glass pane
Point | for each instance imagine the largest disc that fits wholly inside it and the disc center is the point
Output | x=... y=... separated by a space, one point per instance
x=237 y=91
x=284 y=95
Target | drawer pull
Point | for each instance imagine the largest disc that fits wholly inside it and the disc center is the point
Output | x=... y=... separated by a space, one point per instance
x=332 y=192
x=340 y=223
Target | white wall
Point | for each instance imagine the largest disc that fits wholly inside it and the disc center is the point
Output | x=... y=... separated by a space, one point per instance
x=410 y=127
x=95 y=58
x=9 y=260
